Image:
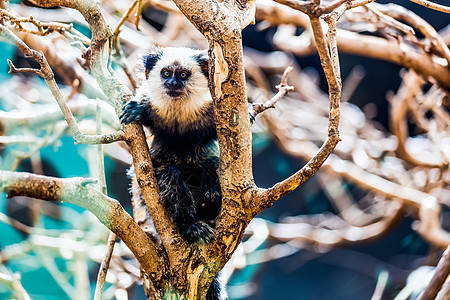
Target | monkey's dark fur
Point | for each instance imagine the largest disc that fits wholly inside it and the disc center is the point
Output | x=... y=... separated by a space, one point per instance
x=176 y=106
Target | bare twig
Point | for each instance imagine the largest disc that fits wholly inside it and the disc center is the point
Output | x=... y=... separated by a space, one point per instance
x=351 y=82
x=302 y=6
x=433 y=5
x=381 y=285
x=138 y=13
x=360 y=44
x=125 y=17
x=16 y=224
x=311 y=8
x=42 y=28
x=101 y=277
x=409 y=89
x=427 y=206
x=46 y=73
x=332 y=6
x=356 y=3
x=408 y=30
x=441 y=273
x=283 y=89
x=331 y=69
x=12 y=280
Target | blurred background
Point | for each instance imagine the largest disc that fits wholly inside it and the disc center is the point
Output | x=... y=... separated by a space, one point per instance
x=353 y=231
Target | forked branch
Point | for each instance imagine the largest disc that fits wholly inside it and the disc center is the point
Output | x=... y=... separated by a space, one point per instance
x=283 y=89
x=330 y=65
x=78 y=191
x=47 y=74
x=98 y=57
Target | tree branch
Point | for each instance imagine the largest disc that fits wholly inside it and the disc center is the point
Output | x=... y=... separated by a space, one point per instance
x=98 y=58
x=427 y=206
x=47 y=74
x=432 y=5
x=331 y=69
x=12 y=280
x=97 y=55
x=283 y=89
x=167 y=230
x=42 y=28
x=332 y=231
x=221 y=24
x=106 y=209
x=441 y=273
x=363 y=45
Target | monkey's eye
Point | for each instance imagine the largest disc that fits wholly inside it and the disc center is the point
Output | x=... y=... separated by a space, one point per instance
x=183 y=75
x=165 y=74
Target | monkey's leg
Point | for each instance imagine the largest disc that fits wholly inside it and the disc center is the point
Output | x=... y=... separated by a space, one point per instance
x=180 y=204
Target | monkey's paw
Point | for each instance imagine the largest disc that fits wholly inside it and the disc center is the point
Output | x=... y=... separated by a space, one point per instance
x=212 y=197
x=199 y=232
x=132 y=111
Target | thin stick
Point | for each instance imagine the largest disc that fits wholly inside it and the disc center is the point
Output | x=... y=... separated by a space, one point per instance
x=432 y=5
x=283 y=89
x=101 y=277
x=42 y=28
x=47 y=74
x=12 y=280
x=138 y=14
x=334 y=85
x=381 y=285
x=124 y=17
x=441 y=273
x=104 y=266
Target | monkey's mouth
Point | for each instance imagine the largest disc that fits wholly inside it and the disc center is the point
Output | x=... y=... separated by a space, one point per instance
x=174 y=93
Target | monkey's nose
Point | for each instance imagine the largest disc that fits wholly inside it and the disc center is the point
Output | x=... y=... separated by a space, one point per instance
x=173 y=84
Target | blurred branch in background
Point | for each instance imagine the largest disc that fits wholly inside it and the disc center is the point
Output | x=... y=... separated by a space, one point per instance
x=400 y=172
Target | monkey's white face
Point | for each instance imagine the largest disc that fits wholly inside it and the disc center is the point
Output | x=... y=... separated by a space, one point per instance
x=176 y=86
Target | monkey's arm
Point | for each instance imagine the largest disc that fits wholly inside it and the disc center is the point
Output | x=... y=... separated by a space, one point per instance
x=136 y=111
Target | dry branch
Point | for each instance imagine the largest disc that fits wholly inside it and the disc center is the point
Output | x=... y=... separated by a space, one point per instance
x=188 y=268
x=433 y=5
x=364 y=45
x=46 y=73
x=441 y=273
x=77 y=191
x=330 y=66
x=104 y=266
x=327 y=230
x=12 y=280
x=283 y=89
x=97 y=58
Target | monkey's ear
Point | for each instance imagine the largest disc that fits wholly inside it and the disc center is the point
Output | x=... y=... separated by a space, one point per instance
x=150 y=61
x=203 y=62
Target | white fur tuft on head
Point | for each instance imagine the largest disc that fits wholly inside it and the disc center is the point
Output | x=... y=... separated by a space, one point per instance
x=185 y=108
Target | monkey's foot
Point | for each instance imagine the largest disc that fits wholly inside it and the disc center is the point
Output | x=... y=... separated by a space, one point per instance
x=132 y=111
x=212 y=196
x=199 y=232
